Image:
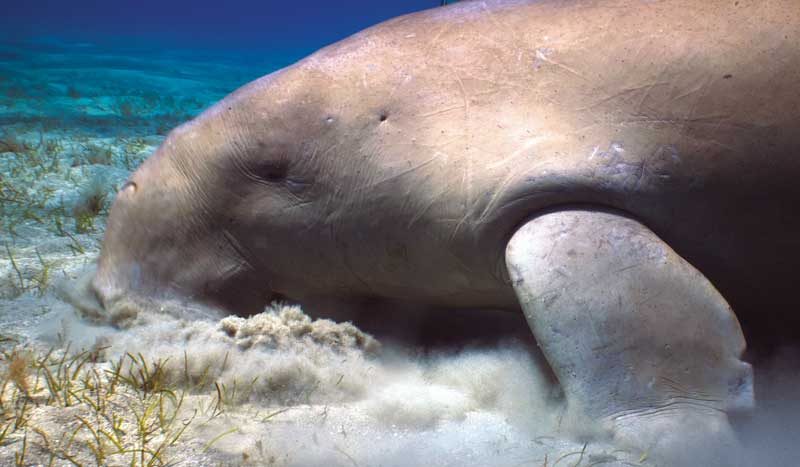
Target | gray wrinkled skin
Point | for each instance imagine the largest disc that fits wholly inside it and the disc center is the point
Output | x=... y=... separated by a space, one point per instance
x=397 y=163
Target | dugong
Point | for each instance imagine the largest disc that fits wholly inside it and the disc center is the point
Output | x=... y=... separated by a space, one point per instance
x=620 y=171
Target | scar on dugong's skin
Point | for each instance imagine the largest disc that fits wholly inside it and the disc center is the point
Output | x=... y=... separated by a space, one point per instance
x=597 y=165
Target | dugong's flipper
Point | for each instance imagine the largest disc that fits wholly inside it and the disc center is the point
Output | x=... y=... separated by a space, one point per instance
x=639 y=339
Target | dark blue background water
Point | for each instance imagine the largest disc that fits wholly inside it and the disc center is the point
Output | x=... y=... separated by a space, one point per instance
x=295 y=27
x=141 y=67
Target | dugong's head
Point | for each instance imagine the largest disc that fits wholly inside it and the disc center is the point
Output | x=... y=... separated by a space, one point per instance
x=232 y=204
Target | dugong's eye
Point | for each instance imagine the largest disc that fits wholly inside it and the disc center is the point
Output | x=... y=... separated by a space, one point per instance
x=128 y=188
x=271 y=171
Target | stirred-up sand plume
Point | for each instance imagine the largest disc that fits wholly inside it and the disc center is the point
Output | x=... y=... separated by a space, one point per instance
x=277 y=388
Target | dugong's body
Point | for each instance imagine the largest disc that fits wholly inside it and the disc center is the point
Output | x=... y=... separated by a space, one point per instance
x=399 y=163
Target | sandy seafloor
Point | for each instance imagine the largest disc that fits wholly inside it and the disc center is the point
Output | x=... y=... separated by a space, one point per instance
x=75 y=120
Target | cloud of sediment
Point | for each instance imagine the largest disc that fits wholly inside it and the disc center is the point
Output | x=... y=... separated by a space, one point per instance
x=344 y=398
x=316 y=392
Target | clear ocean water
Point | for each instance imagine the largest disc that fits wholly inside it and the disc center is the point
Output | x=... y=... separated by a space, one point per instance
x=75 y=63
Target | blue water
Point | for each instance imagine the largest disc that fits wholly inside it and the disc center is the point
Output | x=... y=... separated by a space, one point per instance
x=141 y=67
x=255 y=25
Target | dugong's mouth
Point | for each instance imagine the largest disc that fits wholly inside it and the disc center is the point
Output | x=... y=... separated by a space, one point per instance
x=82 y=296
x=102 y=303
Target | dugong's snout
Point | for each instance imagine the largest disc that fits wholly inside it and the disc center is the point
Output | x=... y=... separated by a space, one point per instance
x=129 y=281
x=93 y=299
